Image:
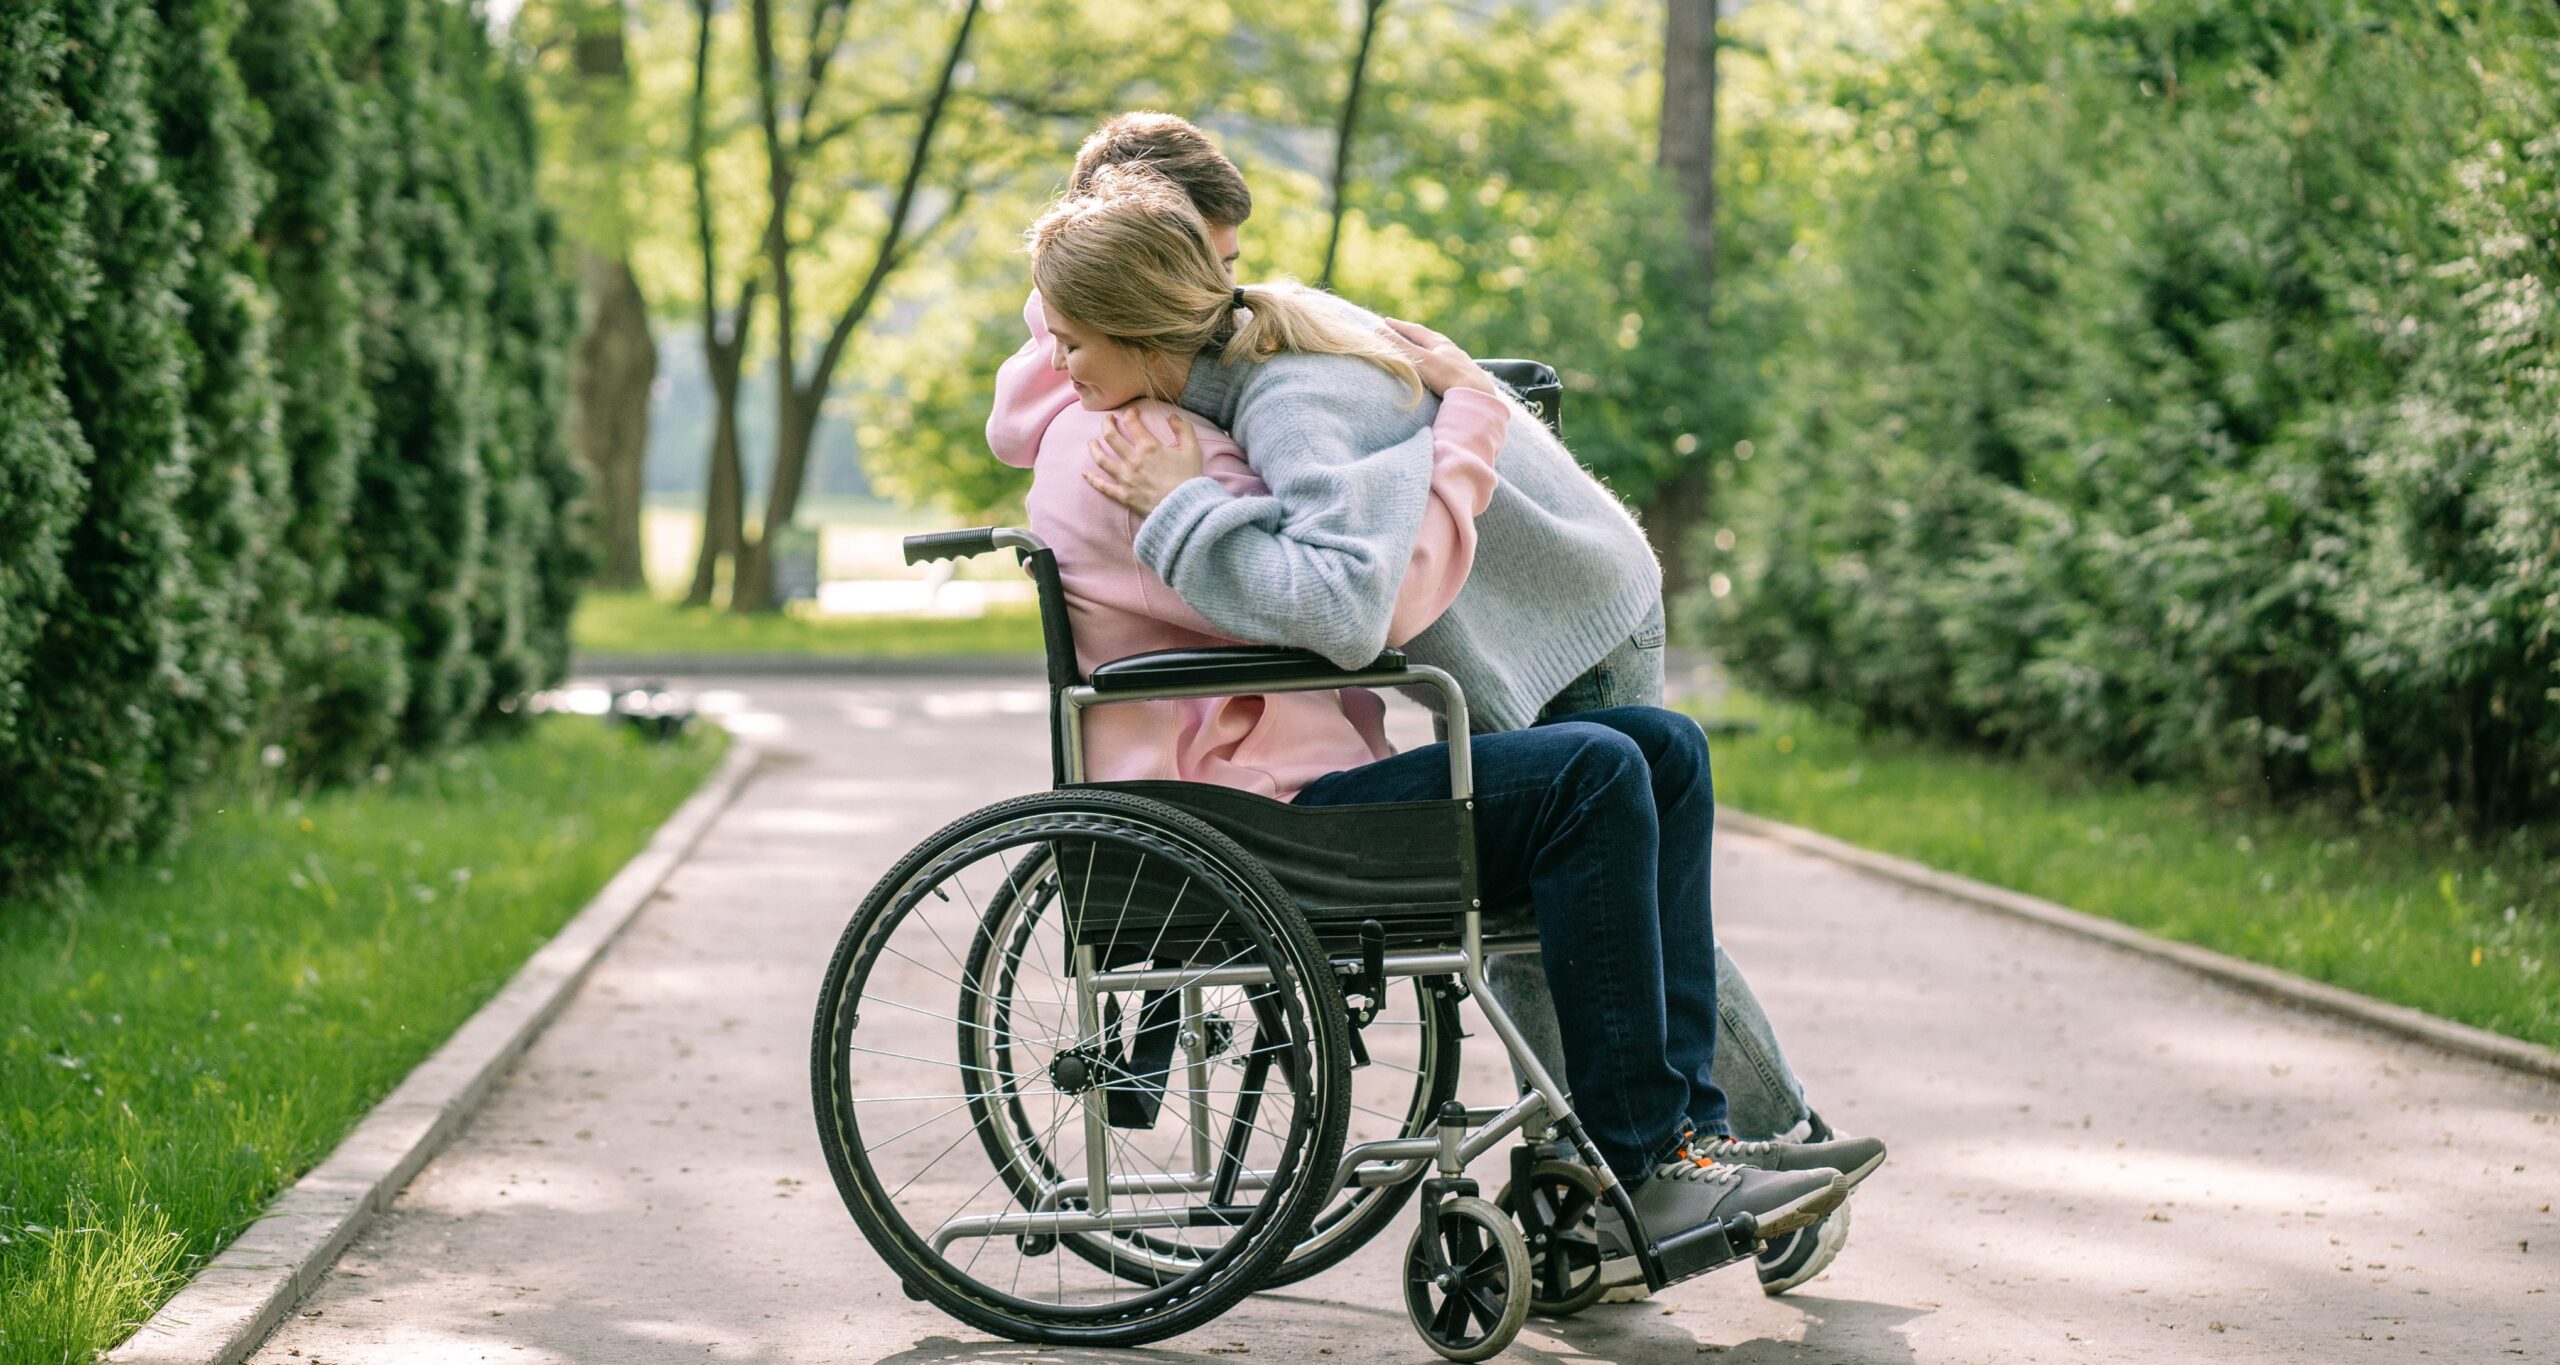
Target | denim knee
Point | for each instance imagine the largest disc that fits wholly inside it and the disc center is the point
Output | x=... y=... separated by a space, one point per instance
x=1673 y=745
x=1602 y=758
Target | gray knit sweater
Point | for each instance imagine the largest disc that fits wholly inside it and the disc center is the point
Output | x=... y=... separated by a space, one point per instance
x=1562 y=573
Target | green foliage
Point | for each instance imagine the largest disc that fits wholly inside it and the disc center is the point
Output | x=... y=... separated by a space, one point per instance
x=282 y=341
x=2174 y=393
x=240 y=601
x=89 y=766
x=419 y=523
x=308 y=230
x=159 y=1030
x=45 y=278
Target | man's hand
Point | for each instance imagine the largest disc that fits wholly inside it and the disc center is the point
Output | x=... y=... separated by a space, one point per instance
x=1134 y=469
x=1444 y=365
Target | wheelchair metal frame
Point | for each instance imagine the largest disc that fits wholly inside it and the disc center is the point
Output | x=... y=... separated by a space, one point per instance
x=1465 y=1134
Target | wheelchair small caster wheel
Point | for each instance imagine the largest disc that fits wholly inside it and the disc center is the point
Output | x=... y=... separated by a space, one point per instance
x=1466 y=1281
x=1564 y=1255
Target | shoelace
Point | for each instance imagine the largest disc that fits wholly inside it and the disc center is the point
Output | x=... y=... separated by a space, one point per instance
x=1695 y=1169
x=1734 y=1145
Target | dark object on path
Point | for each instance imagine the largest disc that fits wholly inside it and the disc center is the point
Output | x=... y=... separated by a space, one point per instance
x=656 y=712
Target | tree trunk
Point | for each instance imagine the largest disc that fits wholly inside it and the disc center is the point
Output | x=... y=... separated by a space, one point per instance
x=725 y=499
x=1688 y=147
x=1343 y=133
x=1688 y=152
x=617 y=364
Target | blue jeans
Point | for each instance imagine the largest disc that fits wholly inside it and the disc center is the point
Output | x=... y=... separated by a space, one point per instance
x=1764 y=1099
x=1601 y=825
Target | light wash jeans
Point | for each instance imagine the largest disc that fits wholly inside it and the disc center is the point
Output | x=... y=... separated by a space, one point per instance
x=1763 y=1097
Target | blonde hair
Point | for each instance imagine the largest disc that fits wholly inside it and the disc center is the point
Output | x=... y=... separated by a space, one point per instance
x=1131 y=259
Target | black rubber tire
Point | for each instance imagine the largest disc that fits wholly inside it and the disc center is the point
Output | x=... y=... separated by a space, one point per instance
x=1499 y=1262
x=1264 y=1241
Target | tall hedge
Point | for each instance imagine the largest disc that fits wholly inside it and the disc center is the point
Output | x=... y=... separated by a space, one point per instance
x=90 y=766
x=281 y=346
x=45 y=278
x=240 y=600
x=2178 y=393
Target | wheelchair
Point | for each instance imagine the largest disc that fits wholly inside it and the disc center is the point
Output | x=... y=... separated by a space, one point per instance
x=1087 y=1063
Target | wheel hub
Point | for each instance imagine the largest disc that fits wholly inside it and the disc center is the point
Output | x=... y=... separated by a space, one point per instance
x=1076 y=1070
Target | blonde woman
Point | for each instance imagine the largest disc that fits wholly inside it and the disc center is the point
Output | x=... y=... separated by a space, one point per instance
x=1599 y=824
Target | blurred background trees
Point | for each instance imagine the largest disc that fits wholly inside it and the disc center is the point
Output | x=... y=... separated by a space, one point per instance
x=2166 y=385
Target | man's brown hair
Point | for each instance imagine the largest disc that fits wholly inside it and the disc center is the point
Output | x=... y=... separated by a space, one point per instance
x=1173 y=148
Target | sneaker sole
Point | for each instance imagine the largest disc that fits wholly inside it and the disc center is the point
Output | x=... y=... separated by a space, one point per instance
x=1829 y=1238
x=1806 y=1210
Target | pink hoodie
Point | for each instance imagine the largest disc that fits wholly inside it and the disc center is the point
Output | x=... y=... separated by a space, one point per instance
x=1272 y=744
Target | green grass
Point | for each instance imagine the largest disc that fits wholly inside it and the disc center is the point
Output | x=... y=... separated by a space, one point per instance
x=637 y=623
x=2464 y=928
x=182 y=1039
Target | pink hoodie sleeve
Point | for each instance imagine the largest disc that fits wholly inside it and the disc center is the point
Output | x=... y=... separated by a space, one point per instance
x=1465 y=440
x=1028 y=393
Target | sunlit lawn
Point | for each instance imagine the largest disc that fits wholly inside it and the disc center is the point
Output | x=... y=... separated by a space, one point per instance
x=190 y=1035
x=634 y=623
x=2465 y=928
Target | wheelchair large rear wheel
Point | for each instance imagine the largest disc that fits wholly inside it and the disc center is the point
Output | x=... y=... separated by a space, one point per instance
x=1224 y=1157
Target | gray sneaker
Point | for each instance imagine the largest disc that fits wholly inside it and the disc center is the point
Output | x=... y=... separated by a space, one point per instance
x=1684 y=1193
x=1854 y=1157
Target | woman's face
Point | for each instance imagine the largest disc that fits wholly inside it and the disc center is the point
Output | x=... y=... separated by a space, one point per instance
x=1105 y=374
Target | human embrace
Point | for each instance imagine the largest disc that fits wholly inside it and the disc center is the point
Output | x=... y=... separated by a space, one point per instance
x=1221 y=463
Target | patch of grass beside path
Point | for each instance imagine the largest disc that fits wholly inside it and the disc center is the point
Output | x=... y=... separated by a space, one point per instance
x=183 y=1039
x=2459 y=927
x=636 y=623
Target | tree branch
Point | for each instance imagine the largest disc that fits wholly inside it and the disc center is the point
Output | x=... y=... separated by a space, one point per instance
x=890 y=254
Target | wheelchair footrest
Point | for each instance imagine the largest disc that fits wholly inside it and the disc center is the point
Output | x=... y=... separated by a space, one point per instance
x=1706 y=1247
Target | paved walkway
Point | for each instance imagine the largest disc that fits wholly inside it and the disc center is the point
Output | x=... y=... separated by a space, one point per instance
x=2095 y=1158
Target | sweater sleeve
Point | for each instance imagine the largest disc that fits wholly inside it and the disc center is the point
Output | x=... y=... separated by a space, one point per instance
x=1465 y=440
x=1028 y=393
x=1317 y=563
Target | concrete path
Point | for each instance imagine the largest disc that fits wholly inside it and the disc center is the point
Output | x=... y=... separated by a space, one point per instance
x=2095 y=1158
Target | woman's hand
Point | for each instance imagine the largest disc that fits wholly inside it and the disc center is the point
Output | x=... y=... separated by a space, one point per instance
x=1444 y=365
x=1134 y=469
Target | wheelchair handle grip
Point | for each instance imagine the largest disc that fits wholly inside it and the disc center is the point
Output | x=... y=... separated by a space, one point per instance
x=950 y=544
x=977 y=540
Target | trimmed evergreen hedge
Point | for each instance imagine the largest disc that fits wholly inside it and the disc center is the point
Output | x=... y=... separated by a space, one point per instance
x=283 y=340
x=2180 y=391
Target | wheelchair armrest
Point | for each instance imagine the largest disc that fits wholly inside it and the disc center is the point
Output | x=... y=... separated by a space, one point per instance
x=1242 y=667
